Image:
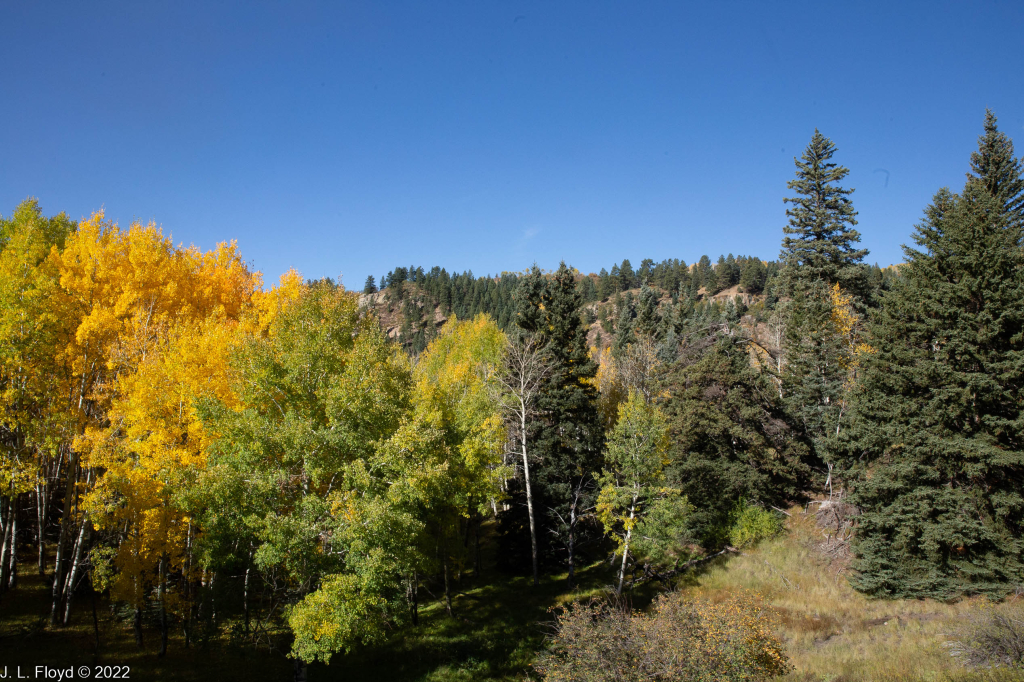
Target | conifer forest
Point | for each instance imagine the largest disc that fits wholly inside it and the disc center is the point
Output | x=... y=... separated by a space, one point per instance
x=795 y=465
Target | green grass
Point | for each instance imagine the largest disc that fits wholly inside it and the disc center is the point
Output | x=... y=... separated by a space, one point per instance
x=498 y=623
x=495 y=630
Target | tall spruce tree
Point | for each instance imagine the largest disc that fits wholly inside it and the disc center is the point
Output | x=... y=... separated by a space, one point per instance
x=569 y=437
x=937 y=462
x=999 y=171
x=820 y=245
x=818 y=252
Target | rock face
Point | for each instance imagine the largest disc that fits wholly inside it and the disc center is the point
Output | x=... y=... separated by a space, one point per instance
x=731 y=293
x=389 y=312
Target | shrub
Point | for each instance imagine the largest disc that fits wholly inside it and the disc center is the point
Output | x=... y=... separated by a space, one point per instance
x=751 y=524
x=680 y=640
x=993 y=639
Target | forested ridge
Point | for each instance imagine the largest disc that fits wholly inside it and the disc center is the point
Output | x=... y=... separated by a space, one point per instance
x=414 y=303
x=307 y=471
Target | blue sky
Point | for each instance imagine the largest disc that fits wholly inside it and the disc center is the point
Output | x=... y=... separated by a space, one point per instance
x=348 y=138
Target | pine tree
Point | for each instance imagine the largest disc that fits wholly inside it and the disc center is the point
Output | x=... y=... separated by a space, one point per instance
x=371 y=286
x=627 y=275
x=728 y=272
x=818 y=252
x=700 y=271
x=752 y=276
x=646 y=269
x=823 y=241
x=604 y=285
x=589 y=289
x=937 y=460
x=648 y=319
x=569 y=437
x=1000 y=173
x=624 y=324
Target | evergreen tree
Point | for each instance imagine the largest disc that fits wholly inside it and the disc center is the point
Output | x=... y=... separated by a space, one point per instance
x=646 y=270
x=729 y=440
x=627 y=275
x=937 y=462
x=682 y=276
x=739 y=305
x=711 y=284
x=606 y=322
x=820 y=242
x=604 y=285
x=624 y=327
x=730 y=271
x=999 y=171
x=753 y=276
x=589 y=289
x=722 y=273
x=818 y=252
x=615 y=279
x=569 y=436
x=693 y=289
x=371 y=286
x=648 y=319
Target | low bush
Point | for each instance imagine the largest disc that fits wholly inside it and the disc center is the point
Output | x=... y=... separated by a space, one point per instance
x=993 y=639
x=681 y=639
x=751 y=524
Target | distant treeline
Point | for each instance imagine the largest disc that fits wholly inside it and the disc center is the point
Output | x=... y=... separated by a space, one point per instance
x=466 y=295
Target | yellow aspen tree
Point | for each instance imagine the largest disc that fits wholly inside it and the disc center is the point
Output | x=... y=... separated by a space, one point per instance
x=155 y=443
x=451 y=446
x=137 y=292
x=36 y=319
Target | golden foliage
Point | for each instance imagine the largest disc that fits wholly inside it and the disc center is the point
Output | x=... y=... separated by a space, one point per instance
x=848 y=326
x=157 y=326
x=612 y=390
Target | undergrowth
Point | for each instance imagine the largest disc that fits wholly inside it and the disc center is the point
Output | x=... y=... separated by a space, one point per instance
x=831 y=633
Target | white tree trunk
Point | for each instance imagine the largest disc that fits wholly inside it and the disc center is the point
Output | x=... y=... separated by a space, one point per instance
x=529 y=491
x=625 y=548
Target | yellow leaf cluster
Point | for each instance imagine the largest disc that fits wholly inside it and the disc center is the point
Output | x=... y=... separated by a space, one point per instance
x=156 y=329
x=847 y=325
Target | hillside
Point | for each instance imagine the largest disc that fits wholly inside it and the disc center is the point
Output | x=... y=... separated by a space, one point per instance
x=414 y=316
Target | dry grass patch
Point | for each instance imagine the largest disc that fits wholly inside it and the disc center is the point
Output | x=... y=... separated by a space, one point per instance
x=835 y=634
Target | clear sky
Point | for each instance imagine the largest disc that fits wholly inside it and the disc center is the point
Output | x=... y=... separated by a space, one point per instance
x=348 y=138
